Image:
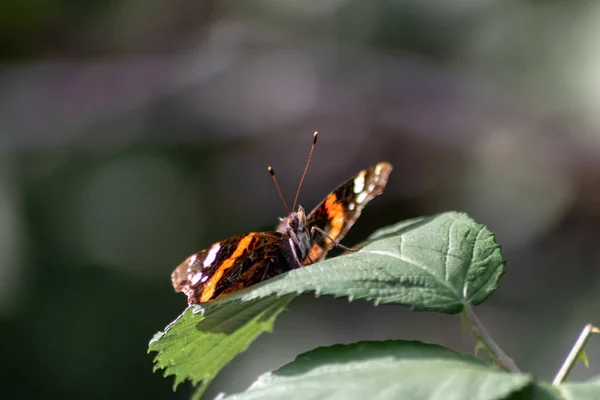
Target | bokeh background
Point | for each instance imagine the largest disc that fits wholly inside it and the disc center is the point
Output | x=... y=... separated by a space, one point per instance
x=133 y=134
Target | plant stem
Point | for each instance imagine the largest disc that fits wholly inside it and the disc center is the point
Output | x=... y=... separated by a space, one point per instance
x=501 y=358
x=574 y=354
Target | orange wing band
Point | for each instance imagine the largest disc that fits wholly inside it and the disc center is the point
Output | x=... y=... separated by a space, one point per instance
x=211 y=285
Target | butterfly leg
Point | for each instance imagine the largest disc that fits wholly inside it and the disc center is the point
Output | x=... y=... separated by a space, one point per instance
x=336 y=244
x=264 y=275
x=294 y=253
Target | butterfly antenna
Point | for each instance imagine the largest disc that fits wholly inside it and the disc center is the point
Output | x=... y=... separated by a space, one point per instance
x=272 y=172
x=312 y=148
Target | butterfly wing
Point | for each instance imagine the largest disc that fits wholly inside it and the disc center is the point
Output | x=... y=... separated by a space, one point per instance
x=341 y=208
x=230 y=265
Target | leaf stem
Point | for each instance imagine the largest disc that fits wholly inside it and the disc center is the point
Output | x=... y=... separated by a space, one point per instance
x=575 y=353
x=484 y=338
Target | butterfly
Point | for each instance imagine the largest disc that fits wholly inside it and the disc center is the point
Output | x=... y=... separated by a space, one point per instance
x=298 y=240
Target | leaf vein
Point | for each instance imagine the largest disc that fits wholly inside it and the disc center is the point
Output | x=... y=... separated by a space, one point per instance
x=411 y=262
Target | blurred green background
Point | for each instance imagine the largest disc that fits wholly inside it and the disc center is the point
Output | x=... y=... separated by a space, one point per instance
x=133 y=134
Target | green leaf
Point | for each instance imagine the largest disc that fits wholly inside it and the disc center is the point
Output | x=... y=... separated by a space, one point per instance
x=437 y=263
x=385 y=370
x=581 y=390
x=537 y=391
x=197 y=345
x=568 y=391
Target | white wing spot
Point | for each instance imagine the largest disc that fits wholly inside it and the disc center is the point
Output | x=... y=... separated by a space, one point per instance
x=359 y=182
x=371 y=187
x=378 y=169
x=351 y=206
x=361 y=197
x=212 y=254
x=191 y=260
x=197 y=278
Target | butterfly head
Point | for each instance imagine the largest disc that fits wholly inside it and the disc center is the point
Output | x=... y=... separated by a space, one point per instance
x=296 y=228
x=296 y=220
